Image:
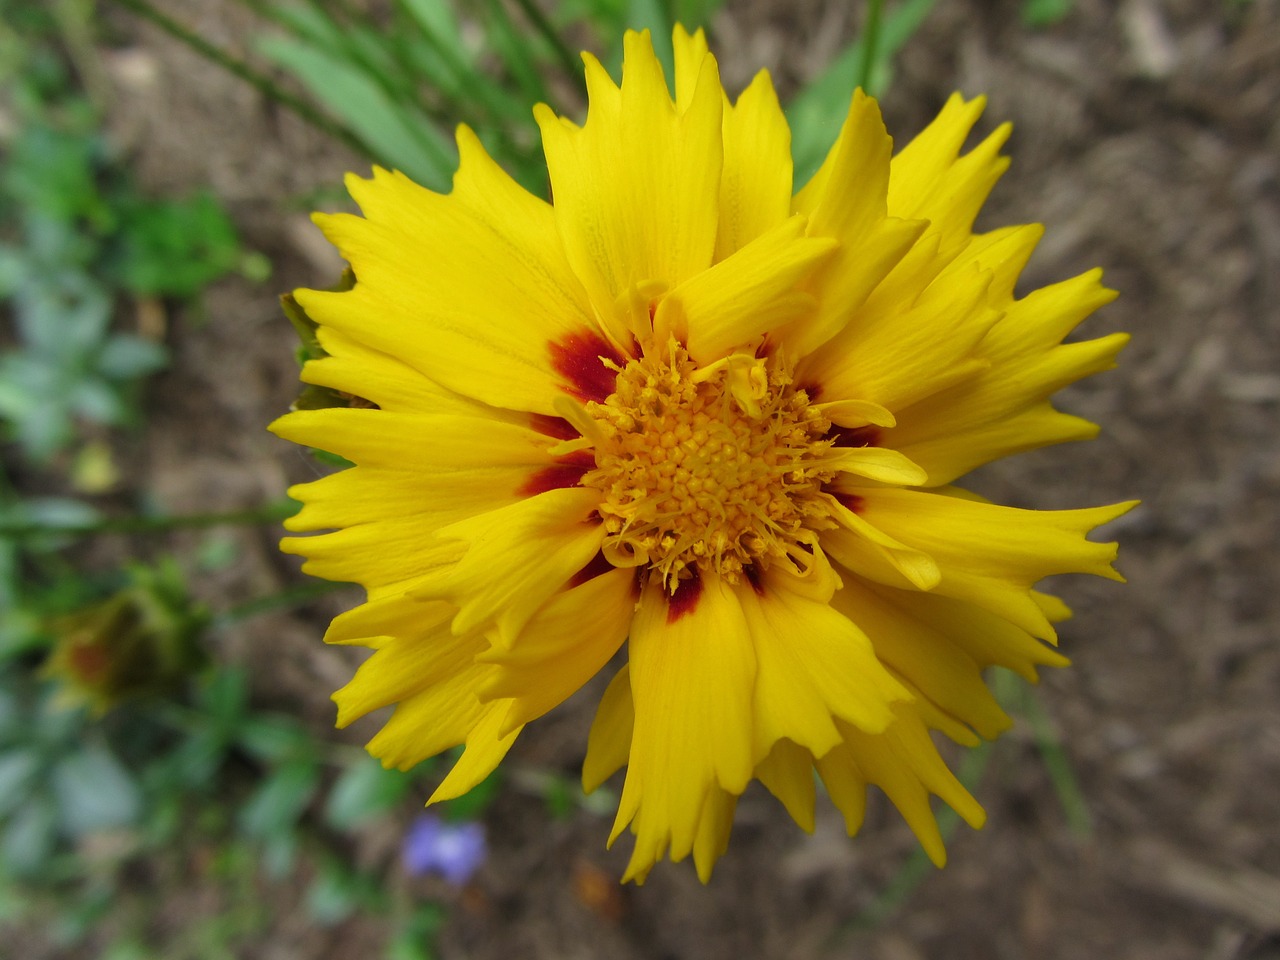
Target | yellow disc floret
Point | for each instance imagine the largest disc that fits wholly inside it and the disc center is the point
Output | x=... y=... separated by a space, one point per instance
x=714 y=468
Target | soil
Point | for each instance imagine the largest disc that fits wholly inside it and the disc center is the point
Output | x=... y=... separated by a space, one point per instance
x=1146 y=140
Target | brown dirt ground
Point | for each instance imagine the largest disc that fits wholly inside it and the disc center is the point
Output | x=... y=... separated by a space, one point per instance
x=1146 y=140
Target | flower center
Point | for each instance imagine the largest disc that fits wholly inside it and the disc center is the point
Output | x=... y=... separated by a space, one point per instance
x=713 y=469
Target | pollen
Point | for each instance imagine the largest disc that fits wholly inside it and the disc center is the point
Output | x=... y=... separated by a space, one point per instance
x=719 y=468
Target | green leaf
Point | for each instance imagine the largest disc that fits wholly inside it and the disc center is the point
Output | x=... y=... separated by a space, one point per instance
x=225 y=699
x=17 y=769
x=816 y=114
x=95 y=791
x=399 y=135
x=29 y=837
x=333 y=895
x=274 y=739
x=651 y=15
x=365 y=790
x=128 y=357
x=276 y=806
x=1045 y=13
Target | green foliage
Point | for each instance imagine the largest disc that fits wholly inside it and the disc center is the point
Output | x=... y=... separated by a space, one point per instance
x=1045 y=13
x=818 y=111
x=74 y=235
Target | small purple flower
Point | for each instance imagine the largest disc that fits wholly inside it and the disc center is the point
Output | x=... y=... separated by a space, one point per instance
x=452 y=850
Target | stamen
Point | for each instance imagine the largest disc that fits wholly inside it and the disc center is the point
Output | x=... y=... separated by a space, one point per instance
x=715 y=469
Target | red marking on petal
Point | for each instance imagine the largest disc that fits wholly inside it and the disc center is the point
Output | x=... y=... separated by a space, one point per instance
x=567 y=471
x=755 y=577
x=868 y=436
x=579 y=359
x=549 y=426
x=685 y=599
x=596 y=568
x=811 y=390
x=850 y=501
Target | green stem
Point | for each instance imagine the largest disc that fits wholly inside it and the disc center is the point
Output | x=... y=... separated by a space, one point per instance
x=1065 y=784
x=918 y=866
x=260 y=82
x=272 y=513
x=571 y=63
x=276 y=601
x=870 y=44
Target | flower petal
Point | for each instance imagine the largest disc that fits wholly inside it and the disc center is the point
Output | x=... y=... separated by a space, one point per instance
x=692 y=673
x=787 y=773
x=516 y=557
x=563 y=645
x=737 y=301
x=933 y=663
x=929 y=179
x=755 y=187
x=636 y=188
x=813 y=664
x=991 y=555
x=609 y=742
x=846 y=200
x=904 y=763
x=468 y=288
x=487 y=743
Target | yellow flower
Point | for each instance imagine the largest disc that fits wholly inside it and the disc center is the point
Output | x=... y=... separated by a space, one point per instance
x=686 y=410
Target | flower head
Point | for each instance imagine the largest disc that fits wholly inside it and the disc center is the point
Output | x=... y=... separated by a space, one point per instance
x=691 y=411
x=141 y=641
x=453 y=850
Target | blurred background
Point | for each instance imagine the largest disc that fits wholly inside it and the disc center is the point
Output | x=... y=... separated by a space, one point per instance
x=170 y=782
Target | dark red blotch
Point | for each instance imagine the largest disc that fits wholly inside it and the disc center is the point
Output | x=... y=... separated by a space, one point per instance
x=578 y=358
x=567 y=471
x=868 y=436
x=549 y=426
x=686 y=597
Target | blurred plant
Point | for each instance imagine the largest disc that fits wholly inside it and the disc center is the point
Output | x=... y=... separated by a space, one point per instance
x=75 y=235
x=394 y=87
x=1045 y=13
x=455 y=851
x=140 y=641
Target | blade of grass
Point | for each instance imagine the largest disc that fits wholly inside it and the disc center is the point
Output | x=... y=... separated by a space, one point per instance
x=816 y=113
x=396 y=136
x=260 y=82
x=1056 y=762
x=571 y=63
x=918 y=866
x=516 y=53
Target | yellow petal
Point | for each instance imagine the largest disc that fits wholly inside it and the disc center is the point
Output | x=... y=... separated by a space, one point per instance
x=991 y=555
x=755 y=187
x=846 y=200
x=487 y=744
x=787 y=773
x=740 y=299
x=690 y=52
x=441 y=715
x=563 y=645
x=898 y=354
x=636 y=188
x=692 y=674
x=904 y=763
x=467 y=288
x=358 y=369
x=930 y=180
x=609 y=742
x=714 y=827
x=517 y=557
x=870 y=552
x=931 y=661
x=813 y=664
